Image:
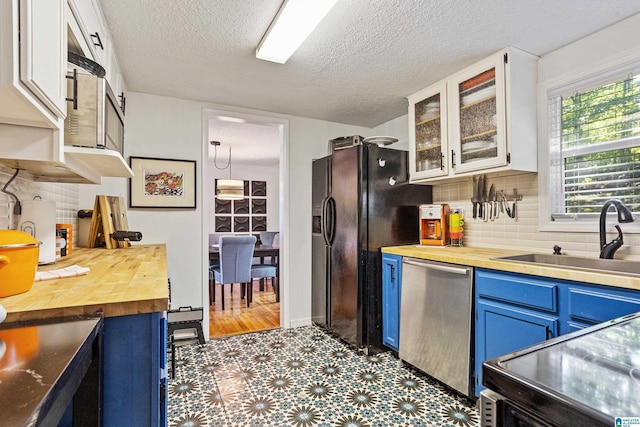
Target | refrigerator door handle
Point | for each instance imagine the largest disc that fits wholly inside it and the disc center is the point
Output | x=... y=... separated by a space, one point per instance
x=328 y=220
x=324 y=221
x=331 y=220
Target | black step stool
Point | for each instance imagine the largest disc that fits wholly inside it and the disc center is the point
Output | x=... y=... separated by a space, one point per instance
x=184 y=326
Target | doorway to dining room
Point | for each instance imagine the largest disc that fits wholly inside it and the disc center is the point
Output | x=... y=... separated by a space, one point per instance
x=249 y=150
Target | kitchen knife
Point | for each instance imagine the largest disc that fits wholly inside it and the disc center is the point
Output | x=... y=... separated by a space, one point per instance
x=492 y=196
x=485 y=199
x=479 y=191
x=475 y=199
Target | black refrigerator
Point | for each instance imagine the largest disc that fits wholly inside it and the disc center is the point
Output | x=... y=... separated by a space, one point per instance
x=362 y=201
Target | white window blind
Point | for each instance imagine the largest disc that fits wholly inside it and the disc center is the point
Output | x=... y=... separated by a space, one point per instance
x=595 y=147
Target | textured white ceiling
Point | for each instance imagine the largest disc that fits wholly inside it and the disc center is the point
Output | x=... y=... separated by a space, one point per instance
x=356 y=68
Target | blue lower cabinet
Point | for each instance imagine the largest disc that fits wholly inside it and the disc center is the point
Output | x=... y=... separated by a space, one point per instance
x=135 y=370
x=164 y=377
x=514 y=311
x=391 y=288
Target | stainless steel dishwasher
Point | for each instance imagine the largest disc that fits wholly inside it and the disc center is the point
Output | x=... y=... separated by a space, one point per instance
x=435 y=321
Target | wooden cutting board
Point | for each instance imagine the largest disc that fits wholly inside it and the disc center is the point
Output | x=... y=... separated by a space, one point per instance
x=109 y=215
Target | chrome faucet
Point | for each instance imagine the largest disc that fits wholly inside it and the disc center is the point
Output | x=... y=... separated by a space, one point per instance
x=607 y=250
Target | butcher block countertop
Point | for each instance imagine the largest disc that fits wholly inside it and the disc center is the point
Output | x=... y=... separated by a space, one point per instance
x=120 y=282
x=483 y=257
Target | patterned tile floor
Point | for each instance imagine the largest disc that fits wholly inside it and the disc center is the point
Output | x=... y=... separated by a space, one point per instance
x=303 y=377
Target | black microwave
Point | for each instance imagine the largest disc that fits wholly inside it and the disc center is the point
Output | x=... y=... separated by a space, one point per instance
x=94 y=117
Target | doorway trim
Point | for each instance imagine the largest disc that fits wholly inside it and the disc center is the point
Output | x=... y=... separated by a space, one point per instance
x=284 y=201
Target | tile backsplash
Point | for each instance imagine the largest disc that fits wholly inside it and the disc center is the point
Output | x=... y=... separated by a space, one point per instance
x=66 y=196
x=522 y=234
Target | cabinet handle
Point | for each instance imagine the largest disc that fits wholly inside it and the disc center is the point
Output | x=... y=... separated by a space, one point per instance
x=393 y=278
x=548 y=330
x=74 y=98
x=123 y=101
x=441 y=161
x=97 y=41
x=453 y=159
x=437 y=266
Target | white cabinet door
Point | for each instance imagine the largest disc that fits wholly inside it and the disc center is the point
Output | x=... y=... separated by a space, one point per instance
x=90 y=20
x=43 y=52
x=428 y=144
x=115 y=79
x=477 y=116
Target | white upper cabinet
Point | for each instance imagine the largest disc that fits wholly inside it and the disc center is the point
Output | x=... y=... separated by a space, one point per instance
x=486 y=124
x=89 y=28
x=89 y=18
x=116 y=80
x=35 y=36
x=33 y=62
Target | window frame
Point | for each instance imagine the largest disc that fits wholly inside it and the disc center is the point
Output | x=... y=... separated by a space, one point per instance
x=574 y=81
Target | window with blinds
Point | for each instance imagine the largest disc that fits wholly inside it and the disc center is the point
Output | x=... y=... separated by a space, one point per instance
x=595 y=147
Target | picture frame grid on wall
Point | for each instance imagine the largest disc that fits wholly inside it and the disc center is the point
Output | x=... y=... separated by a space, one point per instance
x=248 y=215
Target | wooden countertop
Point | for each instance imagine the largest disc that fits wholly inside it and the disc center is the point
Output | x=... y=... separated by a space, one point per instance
x=121 y=282
x=482 y=257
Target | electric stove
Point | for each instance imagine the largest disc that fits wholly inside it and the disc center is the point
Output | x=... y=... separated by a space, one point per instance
x=589 y=377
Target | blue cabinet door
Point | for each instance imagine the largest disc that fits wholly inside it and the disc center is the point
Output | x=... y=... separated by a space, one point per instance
x=502 y=329
x=134 y=370
x=391 y=281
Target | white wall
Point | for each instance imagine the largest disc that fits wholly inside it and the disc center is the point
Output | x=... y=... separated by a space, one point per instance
x=611 y=43
x=398 y=128
x=172 y=128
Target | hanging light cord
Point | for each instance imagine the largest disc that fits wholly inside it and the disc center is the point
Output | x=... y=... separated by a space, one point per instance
x=17 y=209
x=215 y=157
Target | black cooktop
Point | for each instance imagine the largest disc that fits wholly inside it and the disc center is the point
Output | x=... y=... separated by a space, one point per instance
x=593 y=374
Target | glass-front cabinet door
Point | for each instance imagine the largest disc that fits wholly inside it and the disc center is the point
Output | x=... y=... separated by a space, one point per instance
x=477 y=116
x=428 y=133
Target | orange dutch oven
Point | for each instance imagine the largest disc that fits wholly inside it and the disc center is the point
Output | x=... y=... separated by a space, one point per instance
x=18 y=262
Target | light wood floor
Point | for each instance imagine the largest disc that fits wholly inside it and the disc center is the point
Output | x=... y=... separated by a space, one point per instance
x=236 y=318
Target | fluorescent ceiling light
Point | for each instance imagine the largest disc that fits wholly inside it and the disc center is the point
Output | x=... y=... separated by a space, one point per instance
x=295 y=20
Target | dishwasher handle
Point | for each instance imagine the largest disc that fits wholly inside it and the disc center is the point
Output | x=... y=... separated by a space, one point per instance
x=440 y=267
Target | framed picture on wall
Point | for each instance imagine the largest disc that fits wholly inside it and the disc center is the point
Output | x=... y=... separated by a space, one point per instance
x=162 y=183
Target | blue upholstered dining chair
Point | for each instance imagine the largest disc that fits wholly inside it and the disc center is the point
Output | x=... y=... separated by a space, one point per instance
x=266 y=237
x=236 y=254
x=263 y=271
x=266 y=270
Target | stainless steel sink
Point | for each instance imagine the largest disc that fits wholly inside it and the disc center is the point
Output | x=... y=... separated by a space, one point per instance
x=614 y=266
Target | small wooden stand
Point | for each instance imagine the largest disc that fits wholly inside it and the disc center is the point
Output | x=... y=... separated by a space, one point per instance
x=109 y=215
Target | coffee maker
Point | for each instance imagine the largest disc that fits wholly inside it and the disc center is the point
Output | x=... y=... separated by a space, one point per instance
x=434 y=225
